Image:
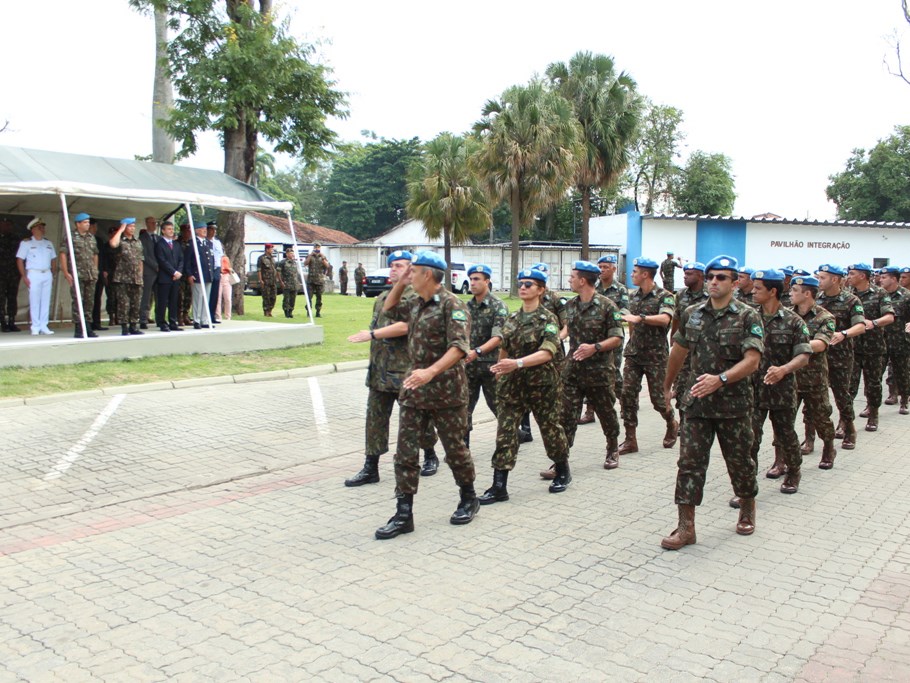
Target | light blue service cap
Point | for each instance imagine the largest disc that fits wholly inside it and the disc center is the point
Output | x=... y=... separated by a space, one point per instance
x=771 y=274
x=399 y=255
x=542 y=267
x=695 y=265
x=79 y=217
x=609 y=258
x=645 y=262
x=430 y=259
x=532 y=274
x=131 y=221
x=832 y=269
x=585 y=267
x=807 y=280
x=722 y=262
x=481 y=268
x=860 y=266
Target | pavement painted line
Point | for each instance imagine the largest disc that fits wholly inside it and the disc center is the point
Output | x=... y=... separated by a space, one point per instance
x=322 y=421
x=74 y=453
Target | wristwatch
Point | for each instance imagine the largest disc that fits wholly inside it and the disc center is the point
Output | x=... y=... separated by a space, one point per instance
x=372 y=334
x=875 y=323
x=723 y=378
x=642 y=316
x=597 y=347
x=478 y=351
x=520 y=362
x=844 y=332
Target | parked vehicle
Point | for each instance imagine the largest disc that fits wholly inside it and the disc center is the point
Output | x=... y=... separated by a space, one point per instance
x=252 y=285
x=377 y=282
x=460 y=282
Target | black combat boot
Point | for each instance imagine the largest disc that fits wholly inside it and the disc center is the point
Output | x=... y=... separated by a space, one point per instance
x=3 y=326
x=467 y=506
x=563 y=477
x=135 y=330
x=430 y=463
x=88 y=330
x=13 y=327
x=77 y=332
x=497 y=493
x=524 y=429
x=368 y=475
x=402 y=521
x=124 y=331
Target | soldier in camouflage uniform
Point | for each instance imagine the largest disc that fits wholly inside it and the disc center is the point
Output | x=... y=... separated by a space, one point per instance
x=668 y=271
x=693 y=293
x=317 y=266
x=849 y=323
x=488 y=313
x=812 y=380
x=359 y=274
x=435 y=391
x=528 y=377
x=905 y=277
x=871 y=353
x=594 y=325
x=650 y=315
x=786 y=350
x=111 y=259
x=128 y=276
x=289 y=280
x=725 y=339
x=788 y=272
x=85 y=249
x=268 y=279
x=9 y=277
x=388 y=367
x=185 y=302
x=745 y=289
x=896 y=337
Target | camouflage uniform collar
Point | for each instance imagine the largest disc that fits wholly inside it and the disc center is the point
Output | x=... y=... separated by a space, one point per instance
x=486 y=301
x=732 y=307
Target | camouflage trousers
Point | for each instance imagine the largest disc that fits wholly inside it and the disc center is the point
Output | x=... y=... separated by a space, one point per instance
x=379 y=412
x=697 y=434
x=543 y=402
x=129 y=296
x=817 y=412
x=631 y=387
x=451 y=425
x=186 y=300
x=269 y=294
x=288 y=300
x=87 y=289
x=600 y=397
x=9 y=294
x=871 y=367
x=113 y=289
x=315 y=291
x=480 y=377
x=786 y=442
x=616 y=357
x=899 y=375
x=840 y=370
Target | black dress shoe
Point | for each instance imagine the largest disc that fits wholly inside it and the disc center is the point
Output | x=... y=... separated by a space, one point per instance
x=98 y=327
x=524 y=436
x=197 y=326
x=135 y=330
x=174 y=327
x=91 y=334
x=217 y=322
x=143 y=326
x=164 y=328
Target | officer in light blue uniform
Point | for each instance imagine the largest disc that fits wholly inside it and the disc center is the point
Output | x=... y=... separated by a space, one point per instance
x=37 y=263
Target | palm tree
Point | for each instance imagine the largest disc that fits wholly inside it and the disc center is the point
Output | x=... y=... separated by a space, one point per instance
x=445 y=194
x=530 y=143
x=608 y=109
x=264 y=166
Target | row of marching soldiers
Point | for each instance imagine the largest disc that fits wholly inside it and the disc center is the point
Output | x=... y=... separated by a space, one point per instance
x=739 y=355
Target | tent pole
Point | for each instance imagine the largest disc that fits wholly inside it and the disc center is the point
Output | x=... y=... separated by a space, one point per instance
x=205 y=296
x=77 y=291
x=306 y=292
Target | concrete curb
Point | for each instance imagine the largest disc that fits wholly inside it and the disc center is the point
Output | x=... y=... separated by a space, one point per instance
x=294 y=373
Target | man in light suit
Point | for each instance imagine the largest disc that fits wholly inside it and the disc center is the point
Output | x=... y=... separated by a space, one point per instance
x=169 y=257
x=200 y=279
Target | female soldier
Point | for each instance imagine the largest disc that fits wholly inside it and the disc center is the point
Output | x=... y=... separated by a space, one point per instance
x=528 y=378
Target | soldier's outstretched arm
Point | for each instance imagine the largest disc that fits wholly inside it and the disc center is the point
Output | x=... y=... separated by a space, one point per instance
x=708 y=384
x=777 y=372
x=421 y=376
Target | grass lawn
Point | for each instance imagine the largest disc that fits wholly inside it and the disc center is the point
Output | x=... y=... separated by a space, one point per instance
x=342 y=316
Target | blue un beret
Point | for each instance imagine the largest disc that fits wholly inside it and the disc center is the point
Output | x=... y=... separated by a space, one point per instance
x=532 y=274
x=542 y=267
x=609 y=258
x=771 y=274
x=890 y=270
x=481 y=268
x=399 y=255
x=860 y=266
x=787 y=270
x=746 y=270
x=430 y=259
x=807 y=280
x=79 y=217
x=722 y=262
x=131 y=221
x=799 y=272
x=585 y=267
x=645 y=262
x=832 y=269
x=905 y=269
x=695 y=265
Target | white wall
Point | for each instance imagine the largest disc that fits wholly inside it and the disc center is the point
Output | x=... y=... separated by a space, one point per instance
x=660 y=236
x=610 y=230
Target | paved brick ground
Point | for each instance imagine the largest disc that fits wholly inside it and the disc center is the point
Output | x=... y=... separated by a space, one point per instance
x=224 y=547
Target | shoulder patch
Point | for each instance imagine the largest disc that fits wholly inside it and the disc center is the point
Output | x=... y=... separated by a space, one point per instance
x=668 y=300
x=551 y=328
x=858 y=308
x=758 y=330
x=831 y=325
x=617 y=315
x=805 y=330
x=459 y=315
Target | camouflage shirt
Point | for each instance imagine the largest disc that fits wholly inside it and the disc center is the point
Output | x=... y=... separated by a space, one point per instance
x=786 y=337
x=648 y=343
x=85 y=247
x=748 y=298
x=289 y=274
x=268 y=272
x=821 y=326
x=847 y=311
x=524 y=334
x=876 y=303
x=434 y=327
x=588 y=323
x=785 y=299
x=359 y=274
x=389 y=357
x=667 y=270
x=717 y=340
x=686 y=297
x=487 y=318
x=898 y=340
x=617 y=292
x=557 y=306
x=317 y=266
x=129 y=261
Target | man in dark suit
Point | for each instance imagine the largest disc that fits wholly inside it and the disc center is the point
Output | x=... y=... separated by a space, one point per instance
x=169 y=257
x=199 y=280
x=148 y=237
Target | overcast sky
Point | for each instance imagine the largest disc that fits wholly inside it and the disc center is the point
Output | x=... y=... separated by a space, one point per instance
x=786 y=89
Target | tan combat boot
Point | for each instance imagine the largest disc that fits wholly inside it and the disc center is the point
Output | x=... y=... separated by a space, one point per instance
x=684 y=534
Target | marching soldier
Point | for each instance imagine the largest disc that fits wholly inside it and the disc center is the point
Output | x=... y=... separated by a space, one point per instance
x=268 y=279
x=128 y=276
x=744 y=288
x=897 y=339
x=85 y=249
x=694 y=293
x=289 y=280
x=788 y=272
x=651 y=310
x=725 y=340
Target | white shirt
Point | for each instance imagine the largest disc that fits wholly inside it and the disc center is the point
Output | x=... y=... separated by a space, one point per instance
x=37 y=254
x=218 y=251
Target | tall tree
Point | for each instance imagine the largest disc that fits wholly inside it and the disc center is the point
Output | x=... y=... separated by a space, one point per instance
x=446 y=195
x=654 y=167
x=530 y=148
x=706 y=186
x=608 y=109
x=237 y=71
x=875 y=185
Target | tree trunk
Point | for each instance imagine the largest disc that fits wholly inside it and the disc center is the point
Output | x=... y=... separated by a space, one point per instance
x=163 y=147
x=515 y=204
x=447 y=250
x=585 y=222
x=239 y=161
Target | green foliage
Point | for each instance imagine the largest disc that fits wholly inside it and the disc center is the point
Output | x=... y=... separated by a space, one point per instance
x=654 y=168
x=706 y=186
x=304 y=185
x=875 y=186
x=367 y=190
